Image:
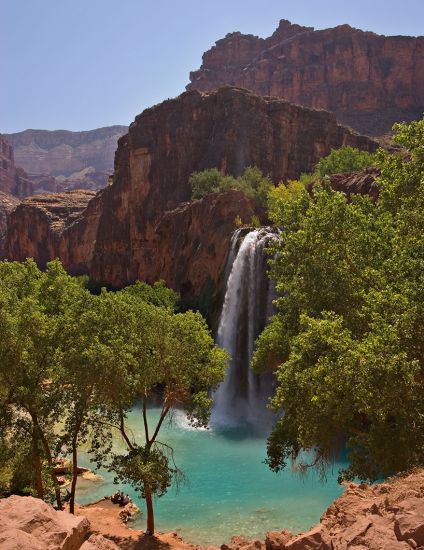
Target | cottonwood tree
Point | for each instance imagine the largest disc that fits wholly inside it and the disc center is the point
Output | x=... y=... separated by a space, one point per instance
x=32 y=306
x=348 y=337
x=169 y=355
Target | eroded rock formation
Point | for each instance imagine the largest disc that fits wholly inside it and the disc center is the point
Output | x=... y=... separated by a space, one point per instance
x=13 y=180
x=141 y=226
x=229 y=129
x=36 y=225
x=370 y=81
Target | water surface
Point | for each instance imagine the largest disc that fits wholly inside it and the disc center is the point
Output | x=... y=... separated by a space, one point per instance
x=229 y=490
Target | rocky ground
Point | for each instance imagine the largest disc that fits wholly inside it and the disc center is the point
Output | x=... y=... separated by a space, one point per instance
x=388 y=516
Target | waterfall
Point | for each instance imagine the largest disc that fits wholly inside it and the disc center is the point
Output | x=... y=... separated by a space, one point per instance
x=242 y=397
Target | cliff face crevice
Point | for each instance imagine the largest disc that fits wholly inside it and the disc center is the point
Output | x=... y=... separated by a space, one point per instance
x=143 y=227
x=370 y=81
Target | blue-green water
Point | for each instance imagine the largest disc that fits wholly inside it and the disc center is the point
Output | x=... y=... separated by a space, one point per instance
x=229 y=490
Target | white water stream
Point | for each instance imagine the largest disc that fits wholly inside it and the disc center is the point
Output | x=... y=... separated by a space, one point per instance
x=247 y=305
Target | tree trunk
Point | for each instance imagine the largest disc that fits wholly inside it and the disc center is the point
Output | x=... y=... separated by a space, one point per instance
x=38 y=481
x=150 y=514
x=74 y=477
x=49 y=457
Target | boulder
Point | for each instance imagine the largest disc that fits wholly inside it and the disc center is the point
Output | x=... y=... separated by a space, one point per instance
x=311 y=540
x=409 y=522
x=98 y=542
x=241 y=543
x=276 y=540
x=28 y=523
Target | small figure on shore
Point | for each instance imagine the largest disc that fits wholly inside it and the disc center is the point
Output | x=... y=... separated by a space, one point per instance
x=116 y=498
x=125 y=500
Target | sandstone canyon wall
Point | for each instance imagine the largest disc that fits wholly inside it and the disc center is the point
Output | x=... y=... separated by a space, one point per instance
x=61 y=160
x=13 y=180
x=143 y=227
x=369 y=81
x=36 y=225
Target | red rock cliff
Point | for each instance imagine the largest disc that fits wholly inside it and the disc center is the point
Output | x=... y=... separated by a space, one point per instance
x=138 y=228
x=35 y=226
x=369 y=81
x=142 y=227
x=13 y=180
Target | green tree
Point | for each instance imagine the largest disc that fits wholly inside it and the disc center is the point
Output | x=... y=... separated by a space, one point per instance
x=347 y=340
x=253 y=183
x=32 y=306
x=168 y=354
x=344 y=159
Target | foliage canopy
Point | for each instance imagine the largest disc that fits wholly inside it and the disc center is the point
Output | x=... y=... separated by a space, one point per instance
x=348 y=337
x=253 y=183
x=85 y=360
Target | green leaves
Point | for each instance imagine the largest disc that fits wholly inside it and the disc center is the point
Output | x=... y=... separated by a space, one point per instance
x=73 y=364
x=344 y=159
x=348 y=335
x=253 y=183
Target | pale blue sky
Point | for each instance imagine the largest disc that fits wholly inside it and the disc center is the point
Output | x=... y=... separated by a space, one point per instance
x=83 y=64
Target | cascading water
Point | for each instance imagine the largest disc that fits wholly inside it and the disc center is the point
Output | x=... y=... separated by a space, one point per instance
x=242 y=397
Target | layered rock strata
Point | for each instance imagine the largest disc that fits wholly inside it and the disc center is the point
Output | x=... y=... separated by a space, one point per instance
x=142 y=226
x=13 y=180
x=35 y=226
x=356 y=183
x=370 y=81
x=62 y=153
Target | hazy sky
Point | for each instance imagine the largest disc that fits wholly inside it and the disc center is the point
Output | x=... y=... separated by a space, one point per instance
x=82 y=64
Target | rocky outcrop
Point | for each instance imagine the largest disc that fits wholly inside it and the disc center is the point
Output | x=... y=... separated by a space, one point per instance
x=388 y=516
x=7 y=204
x=13 y=180
x=356 y=183
x=27 y=523
x=143 y=227
x=84 y=179
x=369 y=81
x=36 y=225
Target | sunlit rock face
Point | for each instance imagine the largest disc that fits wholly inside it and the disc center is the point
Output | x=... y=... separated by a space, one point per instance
x=13 y=180
x=370 y=81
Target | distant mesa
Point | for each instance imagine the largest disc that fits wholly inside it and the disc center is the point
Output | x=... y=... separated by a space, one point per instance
x=369 y=81
x=61 y=160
